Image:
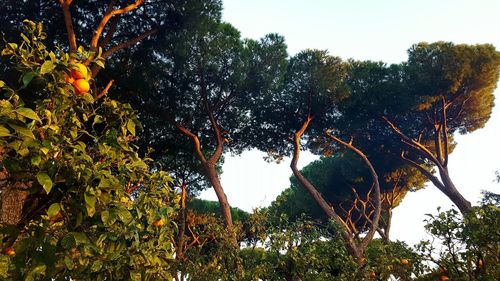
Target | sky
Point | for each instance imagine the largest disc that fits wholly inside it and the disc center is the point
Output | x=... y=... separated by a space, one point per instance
x=379 y=30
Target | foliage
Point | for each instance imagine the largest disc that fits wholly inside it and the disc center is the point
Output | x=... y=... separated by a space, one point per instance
x=201 y=206
x=80 y=162
x=464 y=248
x=294 y=250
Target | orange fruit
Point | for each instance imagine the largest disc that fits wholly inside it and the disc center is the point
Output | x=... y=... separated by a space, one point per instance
x=81 y=86
x=9 y=251
x=405 y=262
x=159 y=222
x=79 y=71
x=444 y=278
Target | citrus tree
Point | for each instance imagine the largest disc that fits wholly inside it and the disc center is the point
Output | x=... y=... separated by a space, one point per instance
x=84 y=203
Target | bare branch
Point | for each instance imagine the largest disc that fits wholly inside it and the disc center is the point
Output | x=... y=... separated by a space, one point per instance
x=105 y=91
x=130 y=42
x=374 y=224
x=109 y=14
x=417 y=146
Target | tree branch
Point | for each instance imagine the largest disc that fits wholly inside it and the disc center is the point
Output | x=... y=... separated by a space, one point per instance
x=130 y=42
x=424 y=171
x=374 y=225
x=109 y=14
x=68 y=21
x=414 y=144
x=105 y=90
x=195 y=140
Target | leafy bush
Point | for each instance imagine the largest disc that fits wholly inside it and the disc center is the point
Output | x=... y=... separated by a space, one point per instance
x=91 y=200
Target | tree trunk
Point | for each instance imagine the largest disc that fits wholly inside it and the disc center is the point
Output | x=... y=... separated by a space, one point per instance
x=182 y=226
x=13 y=196
x=451 y=192
x=328 y=210
x=225 y=209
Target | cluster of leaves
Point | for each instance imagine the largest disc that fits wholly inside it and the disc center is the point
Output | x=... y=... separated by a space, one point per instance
x=464 y=248
x=91 y=200
x=299 y=249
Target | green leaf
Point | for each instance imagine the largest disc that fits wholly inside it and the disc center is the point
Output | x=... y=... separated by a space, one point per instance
x=131 y=126
x=80 y=237
x=27 y=77
x=28 y=113
x=96 y=266
x=99 y=63
x=135 y=276
x=2 y=84
x=88 y=98
x=23 y=131
x=53 y=210
x=68 y=241
x=44 y=150
x=90 y=203
x=37 y=270
x=69 y=263
x=97 y=119
x=4 y=266
x=105 y=217
x=47 y=67
x=4 y=132
x=35 y=160
x=25 y=38
x=124 y=215
x=45 y=181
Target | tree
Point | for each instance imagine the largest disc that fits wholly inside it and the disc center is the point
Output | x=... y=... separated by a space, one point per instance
x=93 y=208
x=206 y=76
x=346 y=185
x=307 y=106
x=441 y=90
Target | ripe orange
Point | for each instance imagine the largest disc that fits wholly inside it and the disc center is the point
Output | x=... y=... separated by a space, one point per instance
x=159 y=223
x=405 y=262
x=79 y=71
x=81 y=86
x=9 y=251
x=444 y=278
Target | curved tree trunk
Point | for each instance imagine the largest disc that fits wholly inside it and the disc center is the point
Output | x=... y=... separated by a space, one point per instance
x=356 y=251
x=452 y=192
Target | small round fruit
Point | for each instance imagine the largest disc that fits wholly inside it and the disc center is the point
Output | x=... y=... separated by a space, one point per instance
x=79 y=71
x=444 y=278
x=81 y=86
x=159 y=223
x=9 y=251
x=373 y=274
x=405 y=262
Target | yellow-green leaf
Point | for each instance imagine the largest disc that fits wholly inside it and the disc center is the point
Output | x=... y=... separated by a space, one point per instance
x=47 y=67
x=45 y=181
x=53 y=210
x=131 y=126
x=28 y=113
x=23 y=131
x=4 y=132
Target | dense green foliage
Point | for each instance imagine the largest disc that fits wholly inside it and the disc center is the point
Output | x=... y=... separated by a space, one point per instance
x=77 y=160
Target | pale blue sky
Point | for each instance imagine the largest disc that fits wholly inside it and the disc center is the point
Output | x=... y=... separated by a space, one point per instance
x=370 y=30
